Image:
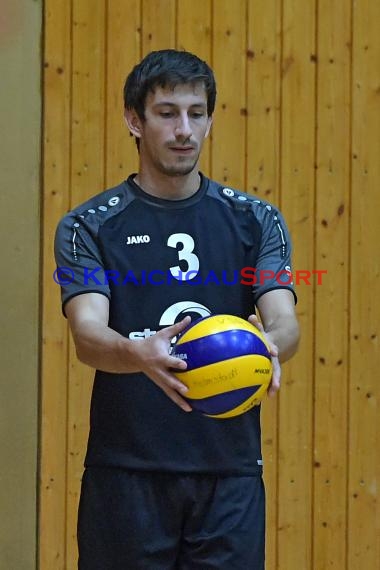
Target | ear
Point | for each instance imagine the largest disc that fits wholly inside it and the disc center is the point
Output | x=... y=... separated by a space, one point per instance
x=209 y=123
x=133 y=122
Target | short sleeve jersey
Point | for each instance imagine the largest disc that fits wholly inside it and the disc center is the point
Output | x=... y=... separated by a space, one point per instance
x=157 y=261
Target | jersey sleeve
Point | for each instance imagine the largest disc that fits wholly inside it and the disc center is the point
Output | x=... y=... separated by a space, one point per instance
x=79 y=262
x=273 y=268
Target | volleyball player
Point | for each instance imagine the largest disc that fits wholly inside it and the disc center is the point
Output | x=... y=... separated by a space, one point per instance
x=165 y=487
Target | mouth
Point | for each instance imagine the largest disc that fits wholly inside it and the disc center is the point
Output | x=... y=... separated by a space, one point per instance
x=182 y=149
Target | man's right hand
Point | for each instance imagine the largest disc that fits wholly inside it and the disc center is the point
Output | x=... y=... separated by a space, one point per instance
x=153 y=357
x=103 y=348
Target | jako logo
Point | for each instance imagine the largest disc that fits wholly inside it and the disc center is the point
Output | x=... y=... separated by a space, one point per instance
x=137 y=239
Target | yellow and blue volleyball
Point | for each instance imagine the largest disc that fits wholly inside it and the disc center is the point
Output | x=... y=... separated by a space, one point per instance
x=229 y=367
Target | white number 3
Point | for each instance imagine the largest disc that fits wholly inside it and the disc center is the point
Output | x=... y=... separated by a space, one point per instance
x=185 y=253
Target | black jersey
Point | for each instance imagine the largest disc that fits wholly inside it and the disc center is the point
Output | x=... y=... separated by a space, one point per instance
x=157 y=261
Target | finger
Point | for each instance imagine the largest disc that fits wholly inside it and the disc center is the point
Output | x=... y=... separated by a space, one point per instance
x=175 y=329
x=253 y=319
x=273 y=349
x=273 y=389
x=178 y=385
x=177 y=363
x=276 y=378
x=176 y=398
x=171 y=382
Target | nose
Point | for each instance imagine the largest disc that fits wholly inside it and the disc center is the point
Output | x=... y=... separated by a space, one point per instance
x=183 y=129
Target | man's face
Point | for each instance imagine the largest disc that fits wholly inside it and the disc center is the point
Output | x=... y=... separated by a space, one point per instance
x=176 y=124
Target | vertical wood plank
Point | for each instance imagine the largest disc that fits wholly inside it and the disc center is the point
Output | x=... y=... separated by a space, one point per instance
x=229 y=62
x=193 y=34
x=263 y=101
x=54 y=366
x=331 y=309
x=87 y=179
x=263 y=179
x=123 y=53
x=159 y=25
x=297 y=201
x=364 y=435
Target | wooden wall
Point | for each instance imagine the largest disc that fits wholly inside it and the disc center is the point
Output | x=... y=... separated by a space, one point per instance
x=298 y=123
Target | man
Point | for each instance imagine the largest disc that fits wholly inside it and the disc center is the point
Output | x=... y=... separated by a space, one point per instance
x=165 y=487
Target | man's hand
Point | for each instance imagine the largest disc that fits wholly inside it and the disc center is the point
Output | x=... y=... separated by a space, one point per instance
x=103 y=348
x=274 y=385
x=152 y=355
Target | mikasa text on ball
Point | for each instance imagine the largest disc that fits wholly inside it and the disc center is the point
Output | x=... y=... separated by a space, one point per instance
x=229 y=367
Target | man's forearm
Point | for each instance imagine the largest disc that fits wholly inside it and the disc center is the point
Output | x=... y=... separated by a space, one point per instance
x=101 y=347
x=284 y=333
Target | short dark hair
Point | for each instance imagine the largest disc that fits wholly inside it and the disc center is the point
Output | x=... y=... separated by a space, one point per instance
x=167 y=68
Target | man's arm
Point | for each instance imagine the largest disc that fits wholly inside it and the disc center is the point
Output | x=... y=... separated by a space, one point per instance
x=103 y=348
x=277 y=312
x=280 y=325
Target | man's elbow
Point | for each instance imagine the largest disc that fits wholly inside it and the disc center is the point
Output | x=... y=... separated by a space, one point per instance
x=83 y=353
x=292 y=345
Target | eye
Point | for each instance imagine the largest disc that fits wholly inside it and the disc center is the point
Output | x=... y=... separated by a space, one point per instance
x=166 y=114
x=197 y=115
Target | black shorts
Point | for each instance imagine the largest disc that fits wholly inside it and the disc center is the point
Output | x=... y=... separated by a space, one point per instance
x=158 y=521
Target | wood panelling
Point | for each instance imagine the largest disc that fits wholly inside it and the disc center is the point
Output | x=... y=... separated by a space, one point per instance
x=123 y=52
x=332 y=227
x=194 y=21
x=229 y=63
x=263 y=142
x=54 y=362
x=87 y=177
x=364 y=394
x=298 y=124
x=297 y=201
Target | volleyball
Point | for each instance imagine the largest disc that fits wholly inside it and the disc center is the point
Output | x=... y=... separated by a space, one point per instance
x=229 y=367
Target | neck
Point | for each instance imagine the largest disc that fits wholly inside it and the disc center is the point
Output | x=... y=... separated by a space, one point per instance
x=168 y=187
